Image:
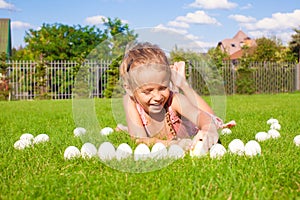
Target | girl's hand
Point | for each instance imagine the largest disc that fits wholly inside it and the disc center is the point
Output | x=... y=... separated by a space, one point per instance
x=178 y=74
x=209 y=138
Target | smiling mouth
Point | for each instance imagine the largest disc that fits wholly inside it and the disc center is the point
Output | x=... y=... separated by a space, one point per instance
x=156 y=105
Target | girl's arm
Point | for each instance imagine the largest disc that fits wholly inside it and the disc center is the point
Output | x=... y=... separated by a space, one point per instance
x=151 y=141
x=178 y=78
x=134 y=122
x=208 y=130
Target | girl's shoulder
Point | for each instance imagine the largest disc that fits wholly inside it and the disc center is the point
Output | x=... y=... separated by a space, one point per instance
x=175 y=99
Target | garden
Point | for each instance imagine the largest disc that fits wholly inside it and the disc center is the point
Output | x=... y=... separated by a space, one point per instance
x=42 y=172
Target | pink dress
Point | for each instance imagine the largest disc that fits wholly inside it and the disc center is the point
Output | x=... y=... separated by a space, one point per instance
x=182 y=126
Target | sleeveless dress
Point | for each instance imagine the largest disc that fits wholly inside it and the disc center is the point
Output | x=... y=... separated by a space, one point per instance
x=182 y=126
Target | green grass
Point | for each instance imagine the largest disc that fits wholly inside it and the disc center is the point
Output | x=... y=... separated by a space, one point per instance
x=42 y=173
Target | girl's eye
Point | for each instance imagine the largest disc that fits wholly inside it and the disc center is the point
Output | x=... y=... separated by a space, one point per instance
x=163 y=88
x=147 y=91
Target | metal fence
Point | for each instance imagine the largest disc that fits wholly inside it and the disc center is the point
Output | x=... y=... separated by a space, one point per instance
x=56 y=79
x=53 y=79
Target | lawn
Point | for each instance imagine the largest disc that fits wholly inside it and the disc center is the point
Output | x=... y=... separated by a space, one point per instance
x=41 y=172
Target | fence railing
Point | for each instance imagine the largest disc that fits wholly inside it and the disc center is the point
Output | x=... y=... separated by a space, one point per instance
x=56 y=79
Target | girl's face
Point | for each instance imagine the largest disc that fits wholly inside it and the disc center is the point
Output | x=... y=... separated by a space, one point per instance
x=152 y=91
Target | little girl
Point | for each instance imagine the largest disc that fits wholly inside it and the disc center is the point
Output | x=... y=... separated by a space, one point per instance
x=154 y=113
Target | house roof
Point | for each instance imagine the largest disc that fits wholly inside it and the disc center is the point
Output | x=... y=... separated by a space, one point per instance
x=233 y=46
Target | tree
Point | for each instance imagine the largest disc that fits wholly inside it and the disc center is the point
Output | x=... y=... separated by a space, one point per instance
x=61 y=42
x=266 y=50
x=294 y=44
x=4 y=79
x=117 y=36
x=217 y=56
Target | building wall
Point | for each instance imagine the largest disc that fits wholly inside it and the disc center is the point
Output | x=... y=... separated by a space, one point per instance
x=5 y=36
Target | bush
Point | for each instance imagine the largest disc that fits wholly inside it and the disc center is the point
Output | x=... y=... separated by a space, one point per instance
x=244 y=82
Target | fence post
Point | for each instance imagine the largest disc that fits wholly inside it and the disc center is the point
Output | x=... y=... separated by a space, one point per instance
x=297 y=81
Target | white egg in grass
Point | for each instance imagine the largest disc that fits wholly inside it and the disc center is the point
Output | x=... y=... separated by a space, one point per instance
x=236 y=146
x=106 y=151
x=217 y=151
x=26 y=136
x=272 y=121
x=226 y=131
x=275 y=126
x=159 y=151
x=273 y=133
x=88 y=150
x=297 y=140
x=41 y=138
x=123 y=151
x=141 y=152
x=175 y=151
x=106 y=131
x=79 y=131
x=71 y=152
x=22 y=144
x=198 y=150
x=262 y=136
x=252 y=148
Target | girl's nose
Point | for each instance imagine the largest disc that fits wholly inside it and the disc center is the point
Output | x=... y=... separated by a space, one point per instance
x=157 y=95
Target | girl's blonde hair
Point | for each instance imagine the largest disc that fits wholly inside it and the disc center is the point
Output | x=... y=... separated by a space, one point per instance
x=142 y=54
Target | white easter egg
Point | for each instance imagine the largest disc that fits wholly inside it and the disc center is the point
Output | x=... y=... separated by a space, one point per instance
x=71 y=152
x=275 y=126
x=252 y=148
x=123 y=151
x=217 y=151
x=106 y=151
x=176 y=151
x=273 y=133
x=141 y=152
x=79 y=131
x=226 y=131
x=88 y=150
x=272 y=121
x=26 y=136
x=159 y=151
x=262 y=136
x=198 y=150
x=22 y=144
x=106 y=131
x=41 y=138
x=236 y=146
x=297 y=140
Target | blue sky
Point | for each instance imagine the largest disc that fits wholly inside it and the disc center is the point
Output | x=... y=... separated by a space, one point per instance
x=206 y=22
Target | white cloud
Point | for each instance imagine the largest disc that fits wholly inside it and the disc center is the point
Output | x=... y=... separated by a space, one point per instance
x=192 y=37
x=278 y=21
x=279 y=25
x=20 y=25
x=188 y=41
x=242 y=18
x=248 y=6
x=284 y=36
x=176 y=30
x=5 y=5
x=96 y=20
x=178 y=24
x=99 y=19
x=198 y=17
x=182 y=23
x=213 y=4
